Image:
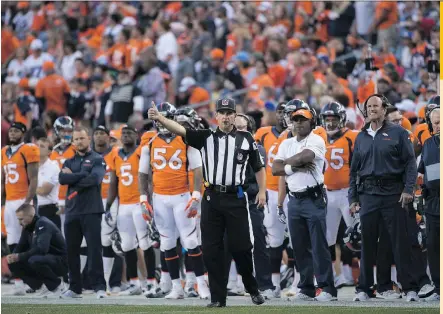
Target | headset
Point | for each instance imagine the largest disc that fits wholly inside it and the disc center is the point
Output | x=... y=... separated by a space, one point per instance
x=249 y=126
x=428 y=120
x=385 y=103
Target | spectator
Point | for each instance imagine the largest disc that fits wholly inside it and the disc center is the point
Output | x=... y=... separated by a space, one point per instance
x=67 y=64
x=193 y=93
x=166 y=46
x=114 y=26
x=26 y=108
x=386 y=17
x=16 y=68
x=364 y=16
x=185 y=66
x=202 y=38
x=52 y=91
x=34 y=62
x=261 y=80
x=22 y=20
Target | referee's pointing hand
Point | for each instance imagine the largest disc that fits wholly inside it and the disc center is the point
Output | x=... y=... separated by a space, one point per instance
x=153 y=113
x=260 y=199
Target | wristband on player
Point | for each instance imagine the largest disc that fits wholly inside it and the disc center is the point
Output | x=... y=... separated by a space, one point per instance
x=288 y=170
x=196 y=195
x=143 y=198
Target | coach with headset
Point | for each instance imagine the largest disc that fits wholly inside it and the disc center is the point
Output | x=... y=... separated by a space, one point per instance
x=301 y=159
x=382 y=180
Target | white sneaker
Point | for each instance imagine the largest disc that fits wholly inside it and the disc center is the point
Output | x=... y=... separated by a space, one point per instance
x=115 y=290
x=425 y=291
x=47 y=294
x=69 y=294
x=272 y=294
x=190 y=290
x=411 y=296
x=153 y=291
x=19 y=288
x=339 y=281
x=101 y=294
x=203 y=291
x=88 y=291
x=236 y=291
x=389 y=295
x=361 y=296
x=176 y=293
x=292 y=291
x=165 y=286
x=44 y=290
x=433 y=297
x=302 y=297
x=325 y=297
x=124 y=286
x=132 y=290
x=231 y=284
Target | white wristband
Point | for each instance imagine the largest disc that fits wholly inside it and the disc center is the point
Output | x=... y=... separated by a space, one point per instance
x=197 y=195
x=288 y=170
x=143 y=198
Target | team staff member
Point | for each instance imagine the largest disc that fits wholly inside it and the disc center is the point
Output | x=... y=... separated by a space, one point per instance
x=40 y=256
x=421 y=132
x=19 y=183
x=83 y=174
x=225 y=154
x=301 y=160
x=262 y=261
x=382 y=179
x=339 y=147
x=47 y=190
x=430 y=167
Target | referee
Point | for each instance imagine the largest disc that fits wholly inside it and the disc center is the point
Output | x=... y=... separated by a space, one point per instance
x=226 y=153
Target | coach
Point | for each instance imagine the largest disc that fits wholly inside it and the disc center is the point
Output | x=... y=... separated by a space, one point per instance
x=226 y=153
x=301 y=159
x=83 y=174
x=382 y=180
x=430 y=167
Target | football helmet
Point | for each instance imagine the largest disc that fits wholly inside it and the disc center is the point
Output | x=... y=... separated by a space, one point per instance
x=352 y=238
x=64 y=123
x=335 y=109
x=296 y=104
x=187 y=117
x=167 y=110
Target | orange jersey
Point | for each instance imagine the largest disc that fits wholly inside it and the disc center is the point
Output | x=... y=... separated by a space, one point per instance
x=338 y=157
x=320 y=131
x=126 y=170
x=267 y=136
x=60 y=155
x=169 y=164
x=107 y=156
x=120 y=56
x=14 y=169
x=146 y=137
x=421 y=133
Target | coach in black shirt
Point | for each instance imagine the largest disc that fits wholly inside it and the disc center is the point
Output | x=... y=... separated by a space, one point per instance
x=40 y=256
x=226 y=153
x=83 y=174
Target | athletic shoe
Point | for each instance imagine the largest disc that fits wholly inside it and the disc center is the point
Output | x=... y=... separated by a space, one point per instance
x=426 y=290
x=287 y=278
x=257 y=299
x=433 y=298
x=190 y=290
x=115 y=290
x=339 y=281
x=69 y=294
x=203 y=291
x=292 y=291
x=101 y=294
x=389 y=295
x=88 y=291
x=132 y=290
x=28 y=289
x=325 y=297
x=411 y=296
x=361 y=296
x=302 y=297
x=165 y=286
x=153 y=291
x=124 y=286
x=272 y=294
x=44 y=290
x=236 y=291
x=47 y=294
x=176 y=293
x=19 y=288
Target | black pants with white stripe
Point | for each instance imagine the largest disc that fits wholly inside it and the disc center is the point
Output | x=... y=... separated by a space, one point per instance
x=226 y=212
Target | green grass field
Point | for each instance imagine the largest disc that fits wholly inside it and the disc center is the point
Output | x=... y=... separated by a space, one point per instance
x=105 y=309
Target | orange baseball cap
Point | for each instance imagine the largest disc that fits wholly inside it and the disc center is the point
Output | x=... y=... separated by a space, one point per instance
x=294 y=43
x=48 y=65
x=24 y=83
x=217 y=54
x=406 y=124
x=22 y=5
x=302 y=112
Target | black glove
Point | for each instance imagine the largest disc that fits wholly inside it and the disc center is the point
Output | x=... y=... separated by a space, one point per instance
x=281 y=214
x=108 y=216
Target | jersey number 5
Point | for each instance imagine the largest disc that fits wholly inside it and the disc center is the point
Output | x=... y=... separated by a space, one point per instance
x=12 y=175
x=160 y=160
x=271 y=156
x=107 y=177
x=126 y=176
x=337 y=160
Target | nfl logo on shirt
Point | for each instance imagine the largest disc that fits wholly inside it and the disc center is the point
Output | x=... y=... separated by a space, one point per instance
x=239 y=156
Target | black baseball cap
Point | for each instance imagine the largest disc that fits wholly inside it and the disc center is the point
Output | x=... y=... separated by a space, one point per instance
x=225 y=104
x=101 y=128
x=18 y=125
x=128 y=127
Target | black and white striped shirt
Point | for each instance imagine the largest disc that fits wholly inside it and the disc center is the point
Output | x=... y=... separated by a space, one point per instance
x=225 y=156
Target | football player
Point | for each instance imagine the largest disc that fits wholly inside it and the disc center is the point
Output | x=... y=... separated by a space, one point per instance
x=102 y=146
x=168 y=159
x=63 y=128
x=339 y=145
x=130 y=223
x=267 y=136
x=20 y=164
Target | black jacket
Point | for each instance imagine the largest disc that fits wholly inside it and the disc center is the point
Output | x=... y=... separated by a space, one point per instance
x=40 y=237
x=388 y=157
x=85 y=179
